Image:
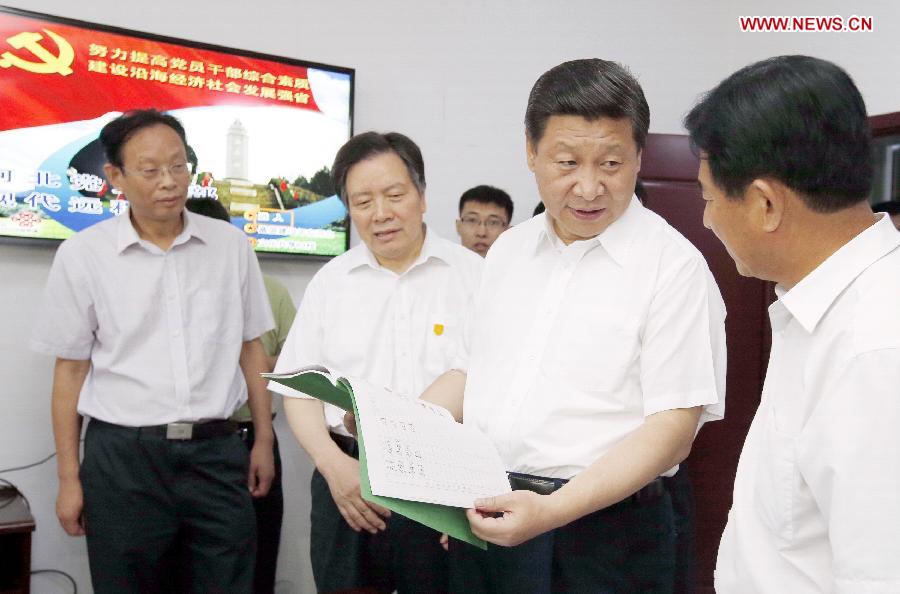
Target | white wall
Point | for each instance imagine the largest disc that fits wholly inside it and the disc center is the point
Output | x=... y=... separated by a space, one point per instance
x=454 y=76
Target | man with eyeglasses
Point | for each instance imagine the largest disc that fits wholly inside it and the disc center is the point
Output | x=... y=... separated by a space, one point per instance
x=484 y=213
x=154 y=318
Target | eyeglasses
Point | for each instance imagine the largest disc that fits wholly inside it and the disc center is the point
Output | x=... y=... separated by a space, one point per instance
x=491 y=223
x=176 y=170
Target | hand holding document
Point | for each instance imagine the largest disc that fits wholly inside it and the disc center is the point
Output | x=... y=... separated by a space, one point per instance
x=417 y=451
x=415 y=459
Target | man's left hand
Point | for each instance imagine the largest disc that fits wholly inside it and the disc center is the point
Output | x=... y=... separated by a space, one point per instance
x=262 y=469
x=350 y=423
x=524 y=516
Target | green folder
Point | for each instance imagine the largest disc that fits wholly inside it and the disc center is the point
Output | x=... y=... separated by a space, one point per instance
x=443 y=518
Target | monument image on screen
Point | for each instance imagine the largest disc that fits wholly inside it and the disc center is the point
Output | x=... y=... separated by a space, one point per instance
x=262 y=130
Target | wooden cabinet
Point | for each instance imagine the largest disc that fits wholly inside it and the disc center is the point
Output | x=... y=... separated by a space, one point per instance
x=16 y=526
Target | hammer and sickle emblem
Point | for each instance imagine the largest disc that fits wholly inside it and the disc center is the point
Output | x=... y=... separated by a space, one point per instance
x=48 y=64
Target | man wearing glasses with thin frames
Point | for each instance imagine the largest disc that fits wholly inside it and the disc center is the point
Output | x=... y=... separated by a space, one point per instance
x=484 y=213
x=154 y=318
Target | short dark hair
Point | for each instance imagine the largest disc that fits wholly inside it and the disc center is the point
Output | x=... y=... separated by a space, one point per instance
x=796 y=119
x=538 y=209
x=369 y=144
x=116 y=133
x=488 y=195
x=208 y=207
x=590 y=88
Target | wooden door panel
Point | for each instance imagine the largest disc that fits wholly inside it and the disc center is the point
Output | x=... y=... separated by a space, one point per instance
x=669 y=172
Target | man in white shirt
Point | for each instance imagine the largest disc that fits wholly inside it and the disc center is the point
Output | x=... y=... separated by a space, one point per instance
x=154 y=318
x=484 y=213
x=785 y=169
x=596 y=349
x=389 y=311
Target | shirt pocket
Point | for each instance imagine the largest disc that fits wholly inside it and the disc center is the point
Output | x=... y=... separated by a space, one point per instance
x=213 y=316
x=442 y=336
x=776 y=479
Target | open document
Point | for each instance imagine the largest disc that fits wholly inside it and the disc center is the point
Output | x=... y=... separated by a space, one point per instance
x=414 y=458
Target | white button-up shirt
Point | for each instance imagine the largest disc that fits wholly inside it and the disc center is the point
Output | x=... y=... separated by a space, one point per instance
x=571 y=347
x=817 y=494
x=362 y=320
x=163 y=330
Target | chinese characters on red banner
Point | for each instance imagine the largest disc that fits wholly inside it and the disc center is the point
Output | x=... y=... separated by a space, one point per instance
x=198 y=74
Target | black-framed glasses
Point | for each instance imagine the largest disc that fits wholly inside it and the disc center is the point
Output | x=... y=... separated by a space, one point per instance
x=492 y=223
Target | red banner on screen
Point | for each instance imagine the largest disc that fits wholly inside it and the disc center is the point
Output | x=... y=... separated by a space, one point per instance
x=66 y=73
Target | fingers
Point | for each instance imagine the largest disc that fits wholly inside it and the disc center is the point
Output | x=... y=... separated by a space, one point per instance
x=496 y=529
x=69 y=507
x=251 y=478
x=71 y=521
x=445 y=542
x=72 y=526
x=381 y=511
x=261 y=472
x=263 y=484
x=497 y=503
x=360 y=516
x=350 y=423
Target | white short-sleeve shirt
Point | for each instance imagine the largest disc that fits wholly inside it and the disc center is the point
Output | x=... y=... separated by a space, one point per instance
x=163 y=329
x=815 y=504
x=571 y=347
x=362 y=320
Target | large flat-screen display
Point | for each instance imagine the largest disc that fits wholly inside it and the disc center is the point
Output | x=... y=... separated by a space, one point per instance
x=262 y=130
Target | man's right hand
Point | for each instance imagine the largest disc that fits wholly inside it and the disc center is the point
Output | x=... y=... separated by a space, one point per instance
x=342 y=475
x=69 y=506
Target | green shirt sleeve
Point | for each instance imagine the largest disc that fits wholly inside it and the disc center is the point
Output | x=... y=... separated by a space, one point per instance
x=283 y=310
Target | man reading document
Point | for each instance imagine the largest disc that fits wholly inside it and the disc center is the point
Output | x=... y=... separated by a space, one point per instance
x=595 y=350
x=390 y=312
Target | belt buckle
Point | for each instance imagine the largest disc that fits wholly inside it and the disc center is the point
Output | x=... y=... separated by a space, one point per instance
x=179 y=430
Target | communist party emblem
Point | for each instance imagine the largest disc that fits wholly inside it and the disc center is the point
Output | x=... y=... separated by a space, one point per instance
x=47 y=62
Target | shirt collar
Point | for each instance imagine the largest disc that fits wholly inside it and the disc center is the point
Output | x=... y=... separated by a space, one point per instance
x=810 y=299
x=432 y=247
x=128 y=235
x=615 y=239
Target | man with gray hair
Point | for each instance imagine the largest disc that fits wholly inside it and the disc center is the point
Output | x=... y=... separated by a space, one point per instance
x=595 y=352
x=389 y=311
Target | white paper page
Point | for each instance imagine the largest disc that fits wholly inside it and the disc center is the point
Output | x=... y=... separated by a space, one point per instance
x=416 y=451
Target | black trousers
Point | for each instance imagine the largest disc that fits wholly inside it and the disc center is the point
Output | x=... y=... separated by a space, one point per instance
x=167 y=516
x=406 y=557
x=269 y=515
x=628 y=547
x=682 y=492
